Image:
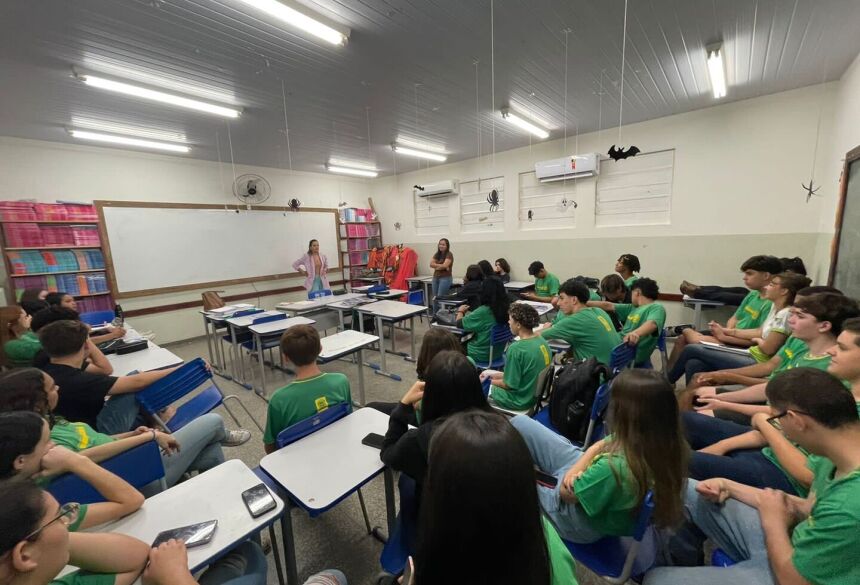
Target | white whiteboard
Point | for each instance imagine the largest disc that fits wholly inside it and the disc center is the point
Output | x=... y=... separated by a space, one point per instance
x=153 y=248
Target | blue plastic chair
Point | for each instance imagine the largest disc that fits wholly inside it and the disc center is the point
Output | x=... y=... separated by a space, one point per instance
x=621 y=358
x=401 y=541
x=94 y=318
x=499 y=334
x=376 y=288
x=267 y=341
x=315 y=294
x=719 y=558
x=614 y=558
x=664 y=356
x=596 y=428
x=139 y=466
x=171 y=388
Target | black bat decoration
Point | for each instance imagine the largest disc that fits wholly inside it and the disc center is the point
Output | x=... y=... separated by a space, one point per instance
x=493 y=200
x=294 y=204
x=617 y=154
x=811 y=190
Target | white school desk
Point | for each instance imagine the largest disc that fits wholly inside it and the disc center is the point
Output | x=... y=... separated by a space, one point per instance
x=236 y=325
x=215 y=494
x=697 y=305
x=428 y=289
x=393 y=312
x=518 y=285
x=302 y=307
x=216 y=318
x=541 y=308
x=145 y=360
x=267 y=330
x=322 y=469
x=346 y=306
x=344 y=343
x=379 y=278
x=390 y=294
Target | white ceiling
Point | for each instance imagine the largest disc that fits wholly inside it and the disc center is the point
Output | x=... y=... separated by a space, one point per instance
x=409 y=66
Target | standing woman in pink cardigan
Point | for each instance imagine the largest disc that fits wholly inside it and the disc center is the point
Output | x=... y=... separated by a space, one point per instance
x=314 y=267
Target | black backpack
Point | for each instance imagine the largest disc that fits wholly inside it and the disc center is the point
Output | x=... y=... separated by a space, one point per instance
x=572 y=397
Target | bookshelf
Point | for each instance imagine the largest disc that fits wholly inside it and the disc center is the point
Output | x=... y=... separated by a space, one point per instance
x=56 y=247
x=357 y=239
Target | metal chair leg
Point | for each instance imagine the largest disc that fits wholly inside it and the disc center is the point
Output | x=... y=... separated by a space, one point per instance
x=245 y=408
x=364 y=512
x=276 y=553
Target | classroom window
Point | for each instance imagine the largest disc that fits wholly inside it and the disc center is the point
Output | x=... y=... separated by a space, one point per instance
x=550 y=205
x=635 y=191
x=475 y=214
x=431 y=215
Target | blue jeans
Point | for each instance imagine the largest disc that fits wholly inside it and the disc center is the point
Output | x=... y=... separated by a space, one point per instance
x=747 y=466
x=555 y=455
x=120 y=414
x=440 y=285
x=317 y=285
x=698 y=358
x=733 y=527
x=244 y=565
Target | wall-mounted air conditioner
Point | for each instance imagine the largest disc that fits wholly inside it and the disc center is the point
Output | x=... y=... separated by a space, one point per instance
x=575 y=166
x=440 y=189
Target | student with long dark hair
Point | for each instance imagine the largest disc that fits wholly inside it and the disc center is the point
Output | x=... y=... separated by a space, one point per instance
x=601 y=489
x=442 y=264
x=33 y=300
x=480 y=519
x=503 y=270
x=486 y=268
x=471 y=290
x=493 y=311
x=61 y=299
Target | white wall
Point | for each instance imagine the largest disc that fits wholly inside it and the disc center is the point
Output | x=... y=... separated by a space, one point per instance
x=48 y=171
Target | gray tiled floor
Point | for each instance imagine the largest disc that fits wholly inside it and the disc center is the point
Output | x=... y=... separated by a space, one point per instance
x=336 y=539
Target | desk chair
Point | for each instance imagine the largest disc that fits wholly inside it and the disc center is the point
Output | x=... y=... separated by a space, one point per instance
x=190 y=376
x=266 y=341
x=664 y=356
x=596 y=419
x=416 y=297
x=499 y=334
x=97 y=317
x=241 y=336
x=542 y=389
x=614 y=558
x=326 y=292
x=139 y=466
x=621 y=358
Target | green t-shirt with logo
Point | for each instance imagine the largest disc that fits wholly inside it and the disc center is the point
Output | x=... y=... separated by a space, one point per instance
x=524 y=361
x=546 y=286
x=635 y=317
x=481 y=322
x=589 y=332
x=77 y=436
x=20 y=352
x=608 y=494
x=302 y=399
x=560 y=561
x=752 y=312
x=801 y=360
x=628 y=282
x=826 y=547
x=790 y=350
x=593 y=296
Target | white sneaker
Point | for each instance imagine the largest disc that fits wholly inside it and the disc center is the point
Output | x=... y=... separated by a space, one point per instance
x=236 y=438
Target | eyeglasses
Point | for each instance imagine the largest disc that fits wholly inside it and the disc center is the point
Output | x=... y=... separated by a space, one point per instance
x=67 y=514
x=773 y=419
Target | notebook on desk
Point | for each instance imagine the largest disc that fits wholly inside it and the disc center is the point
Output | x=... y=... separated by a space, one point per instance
x=728 y=348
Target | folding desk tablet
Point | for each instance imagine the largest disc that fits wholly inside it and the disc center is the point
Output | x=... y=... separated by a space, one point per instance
x=267 y=330
x=344 y=343
x=541 y=308
x=235 y=326
x=518 y=285
x=390 y=294
x=322 y=469
x=392 y=312
x=151 y=358
x=697 y=305
x=346 y=306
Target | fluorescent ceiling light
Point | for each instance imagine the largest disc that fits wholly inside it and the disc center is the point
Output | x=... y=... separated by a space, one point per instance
x=418 y=153
x=350 y=171
x=128 y=141
x=524 y=124
x=109 y=127
x=158 y=96
x=717 y=71
x=295 y=18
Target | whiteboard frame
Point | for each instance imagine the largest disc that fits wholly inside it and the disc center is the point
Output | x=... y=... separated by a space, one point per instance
x=117 y=294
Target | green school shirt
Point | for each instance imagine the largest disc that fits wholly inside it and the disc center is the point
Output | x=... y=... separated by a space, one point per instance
x=791 y=349
x=802 y=360
x=20 y=352
x=636 y=318
x=560 y=561
x=589 y=332
x=78 y=436
x=593 y=296
x=302 y=399
x=480 y=322
x=629 y=281
x=83 y=577
x=607 y=493
x=826 y=548
x=752 y=312
x=524 y=361
x=547 y=286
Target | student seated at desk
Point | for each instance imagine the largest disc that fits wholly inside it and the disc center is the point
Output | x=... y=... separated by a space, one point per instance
x=28 y=454
x=627 y=267
x=58 y=313
x=588 y=330
x=96 y=362
x=61 y=299
x=546 y=284
x=486 y=268
x=493 y=310
x=194 y=447
x=33 y=300
x=525 y=359
x=311 y=392
x=471 y=289
x=733 y=295
x=613 y=290
x=502 y=270
x=83 y=393
x=751 y=313
x=19 y=344
x=601 y=489
x=480 y=521
x=644 y=318
x=773 y=536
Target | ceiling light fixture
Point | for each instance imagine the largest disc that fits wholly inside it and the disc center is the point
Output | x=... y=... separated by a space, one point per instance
x=128 y=141
x=157 y=96
x=351 y=171
x=295 y=17
x=524 y=124
x=717 y=70
x=418 y=153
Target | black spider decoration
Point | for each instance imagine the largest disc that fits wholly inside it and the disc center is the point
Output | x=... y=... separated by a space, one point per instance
x=811 y=189
x=493 y=200
x=294 y=204
x=531 y=214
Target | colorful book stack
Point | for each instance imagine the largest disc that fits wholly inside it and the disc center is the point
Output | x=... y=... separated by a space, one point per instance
x=17 y=211
x=352 y=214
x=36 y=262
